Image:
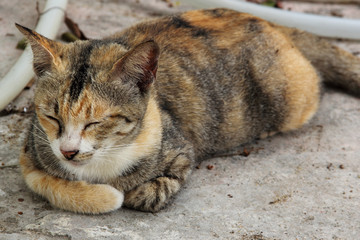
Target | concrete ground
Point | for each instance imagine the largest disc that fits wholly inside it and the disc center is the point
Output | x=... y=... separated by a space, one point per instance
x=299 y=185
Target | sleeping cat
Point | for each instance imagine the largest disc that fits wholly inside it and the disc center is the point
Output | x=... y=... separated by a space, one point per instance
x=122 y=121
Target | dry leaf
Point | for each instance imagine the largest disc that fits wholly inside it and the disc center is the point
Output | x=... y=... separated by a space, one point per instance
x=74 y=28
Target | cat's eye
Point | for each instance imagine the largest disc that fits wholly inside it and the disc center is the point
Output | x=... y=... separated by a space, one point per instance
x=53 y=119
x=57 y=121
x=90 y=124
x=127 y=120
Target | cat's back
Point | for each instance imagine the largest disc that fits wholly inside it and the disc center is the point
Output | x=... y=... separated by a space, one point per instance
x=224 y=28
x=223 y=75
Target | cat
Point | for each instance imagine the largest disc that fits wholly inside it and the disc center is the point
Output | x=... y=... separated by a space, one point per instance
x=123 y=120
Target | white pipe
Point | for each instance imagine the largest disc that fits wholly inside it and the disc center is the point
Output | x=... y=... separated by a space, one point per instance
x=320 y=25
x=22 y=72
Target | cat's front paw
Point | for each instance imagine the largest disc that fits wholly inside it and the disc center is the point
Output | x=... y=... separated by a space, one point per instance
x=75 y=196
x=152 y=196
x=88 y=198
x=109 y=199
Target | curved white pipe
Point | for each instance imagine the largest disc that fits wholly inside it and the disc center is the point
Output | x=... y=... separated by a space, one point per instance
x=320 y=25
x=22 y=72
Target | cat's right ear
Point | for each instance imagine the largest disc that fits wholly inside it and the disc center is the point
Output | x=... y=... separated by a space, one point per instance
x=44 y=50
x=139 y=65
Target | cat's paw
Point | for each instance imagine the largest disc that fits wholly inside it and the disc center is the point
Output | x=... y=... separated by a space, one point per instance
x=109 y=199
x=75 y=196
x=87 y=198
x=94 y=199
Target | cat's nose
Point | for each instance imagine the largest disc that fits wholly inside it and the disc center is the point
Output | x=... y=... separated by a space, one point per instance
x=69 y=155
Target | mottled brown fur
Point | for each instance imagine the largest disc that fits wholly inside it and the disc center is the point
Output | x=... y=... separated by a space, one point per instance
x=121 y=121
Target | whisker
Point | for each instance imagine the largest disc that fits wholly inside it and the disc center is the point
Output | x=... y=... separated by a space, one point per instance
x=41 y=138
x=110 y=150
x=37 y=135
x=39 y=129
x=125 y=145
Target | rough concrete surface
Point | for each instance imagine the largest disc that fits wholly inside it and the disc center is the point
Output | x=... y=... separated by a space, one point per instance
x=299 y=185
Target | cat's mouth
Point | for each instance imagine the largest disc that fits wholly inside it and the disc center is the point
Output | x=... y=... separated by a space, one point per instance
x=76 y=162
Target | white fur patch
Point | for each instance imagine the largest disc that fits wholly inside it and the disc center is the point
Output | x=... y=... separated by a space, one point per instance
x=119 y=196
x=55 y=147
x=71 y=139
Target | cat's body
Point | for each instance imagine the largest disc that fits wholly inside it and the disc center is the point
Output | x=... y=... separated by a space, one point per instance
x=129 y=115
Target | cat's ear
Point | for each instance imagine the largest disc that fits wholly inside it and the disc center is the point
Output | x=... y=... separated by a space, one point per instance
x=139 y=65
x=44 y=50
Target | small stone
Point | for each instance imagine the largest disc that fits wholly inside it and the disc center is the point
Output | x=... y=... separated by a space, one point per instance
x=210 y=167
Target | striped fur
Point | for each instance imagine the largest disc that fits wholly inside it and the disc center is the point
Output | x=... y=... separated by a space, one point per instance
x=121 y=121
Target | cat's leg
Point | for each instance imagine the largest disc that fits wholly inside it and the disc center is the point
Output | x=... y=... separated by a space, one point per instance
x=156 y=193
x=75 y=196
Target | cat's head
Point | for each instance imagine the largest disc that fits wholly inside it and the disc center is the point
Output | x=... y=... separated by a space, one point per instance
x=91 y=95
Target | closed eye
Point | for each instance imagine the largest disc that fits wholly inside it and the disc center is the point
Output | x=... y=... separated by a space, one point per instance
x=53 y=119
x=90 y=124
x=57 y=121
x=127 y=120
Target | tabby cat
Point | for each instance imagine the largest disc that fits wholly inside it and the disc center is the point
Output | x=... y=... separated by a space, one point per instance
x=122 y=121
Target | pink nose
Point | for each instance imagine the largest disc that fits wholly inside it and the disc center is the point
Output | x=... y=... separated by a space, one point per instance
x=69 y=154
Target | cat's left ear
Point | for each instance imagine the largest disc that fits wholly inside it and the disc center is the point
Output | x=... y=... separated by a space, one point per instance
x=139 y=65
x=44 y=50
